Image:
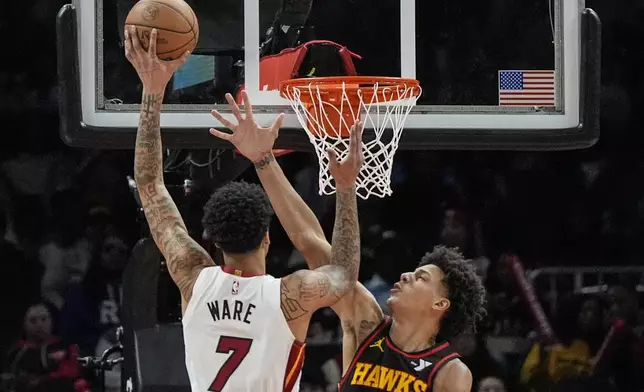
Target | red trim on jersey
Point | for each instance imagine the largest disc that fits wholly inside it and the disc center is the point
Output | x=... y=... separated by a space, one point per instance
x=421 y=354
x=361 y=349
x=237 y=272
x=294 y=365
x=439 y=365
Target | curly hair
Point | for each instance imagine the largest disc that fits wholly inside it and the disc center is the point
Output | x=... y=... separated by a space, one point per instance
x=237 y=217
x=465 y=291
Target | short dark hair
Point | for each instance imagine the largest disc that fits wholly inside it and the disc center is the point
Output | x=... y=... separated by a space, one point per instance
x=237 y=217
x=465 y=291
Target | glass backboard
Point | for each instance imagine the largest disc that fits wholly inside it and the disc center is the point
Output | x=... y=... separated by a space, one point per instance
x=494 y=74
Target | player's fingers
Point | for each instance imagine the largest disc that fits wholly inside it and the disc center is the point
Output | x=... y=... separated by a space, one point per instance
x=184 y=57
x=357 y=143
x=333 y=157
x=247 y=106
x=136 y=43
x=277 y=124
x=356 y=133
x=152 y=46
x=223 y=120
x=128 y=45
x=352 y=140
x=221 y=135
x=234 y=108
x=352 y=143
x=176 y=64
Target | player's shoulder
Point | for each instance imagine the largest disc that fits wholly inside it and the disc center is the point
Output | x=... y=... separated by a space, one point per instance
x=213 y=276
x=208 y=273
x=231 y=272
x=454 y=376
x=457 y=366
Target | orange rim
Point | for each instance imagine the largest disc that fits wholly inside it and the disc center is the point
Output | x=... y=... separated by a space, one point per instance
x=331 y=88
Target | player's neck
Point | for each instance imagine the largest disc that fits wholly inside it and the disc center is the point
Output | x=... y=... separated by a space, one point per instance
x=251 y=263
x=412 y=336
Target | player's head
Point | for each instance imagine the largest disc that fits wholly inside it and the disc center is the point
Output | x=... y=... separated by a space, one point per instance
x=236 y=218
x=444 y=287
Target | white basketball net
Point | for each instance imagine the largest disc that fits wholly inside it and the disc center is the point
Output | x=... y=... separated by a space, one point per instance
x=385 y=114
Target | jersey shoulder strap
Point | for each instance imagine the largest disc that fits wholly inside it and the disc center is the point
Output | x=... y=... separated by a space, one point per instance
x=272 y=293
x=441 y=359
x=205 y=280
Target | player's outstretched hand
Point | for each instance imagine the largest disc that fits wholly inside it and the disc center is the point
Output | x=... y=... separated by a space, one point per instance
x=346 y=172
x=252 y=141
x=154 y=72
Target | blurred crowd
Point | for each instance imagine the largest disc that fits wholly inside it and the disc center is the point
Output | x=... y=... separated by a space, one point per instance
x=69 y=222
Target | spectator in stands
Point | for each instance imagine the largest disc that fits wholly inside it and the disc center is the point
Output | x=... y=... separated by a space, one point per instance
x=625 y=357
x=40 y=361
x=624 y=302
x=20 y=281
x=484 y=364
x=93 y=306
x=66 y=255
x=578 y=326
x=460 y=230
x=491 y=384
x=506 y=306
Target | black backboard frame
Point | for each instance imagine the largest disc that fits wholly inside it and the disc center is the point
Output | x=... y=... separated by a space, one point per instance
x=76 y=133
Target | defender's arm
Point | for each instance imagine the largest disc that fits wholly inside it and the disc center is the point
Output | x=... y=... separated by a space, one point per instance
x=358 y=310
x=334 y=280
x=453 y=377
x=299 y=222
x=184 y=256
x=306 y=291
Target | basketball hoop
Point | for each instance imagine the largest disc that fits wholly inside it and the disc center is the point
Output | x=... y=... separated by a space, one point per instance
x=328 y=107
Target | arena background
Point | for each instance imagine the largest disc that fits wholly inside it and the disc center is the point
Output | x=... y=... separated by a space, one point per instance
x=574 y=219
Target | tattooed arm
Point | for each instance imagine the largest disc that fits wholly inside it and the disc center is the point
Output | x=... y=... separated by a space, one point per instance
x=358 y=310
x=306 y=291
x=184 y=257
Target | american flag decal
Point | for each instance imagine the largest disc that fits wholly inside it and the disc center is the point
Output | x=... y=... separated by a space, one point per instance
x=526 y=88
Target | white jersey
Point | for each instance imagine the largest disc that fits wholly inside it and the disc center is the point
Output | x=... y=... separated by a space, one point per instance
x=236 y=336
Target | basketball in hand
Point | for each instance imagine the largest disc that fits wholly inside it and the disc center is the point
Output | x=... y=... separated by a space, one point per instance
x=175 y=21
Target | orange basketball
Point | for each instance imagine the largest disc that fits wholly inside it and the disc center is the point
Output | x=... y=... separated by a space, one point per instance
x=175 y=21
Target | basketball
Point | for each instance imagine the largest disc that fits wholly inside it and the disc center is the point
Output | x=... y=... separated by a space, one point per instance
x=175 y=21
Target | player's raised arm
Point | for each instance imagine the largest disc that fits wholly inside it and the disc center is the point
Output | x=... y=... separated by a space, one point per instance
x=184 y=256
x=308 y=290
x=358 y=310
x=299 y=222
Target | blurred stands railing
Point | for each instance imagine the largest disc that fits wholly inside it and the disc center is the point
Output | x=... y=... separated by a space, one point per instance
x=554 y=281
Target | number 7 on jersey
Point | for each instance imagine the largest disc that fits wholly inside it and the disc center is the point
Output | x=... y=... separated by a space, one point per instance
x=239 y=347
